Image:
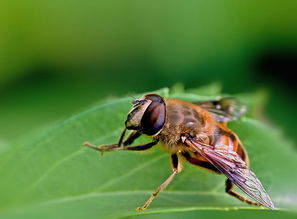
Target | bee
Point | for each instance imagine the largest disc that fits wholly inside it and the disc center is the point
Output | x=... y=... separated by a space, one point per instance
x=195 y=132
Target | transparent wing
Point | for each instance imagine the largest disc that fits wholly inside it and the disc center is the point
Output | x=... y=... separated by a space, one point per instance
x=224 y=110
x=231 y=165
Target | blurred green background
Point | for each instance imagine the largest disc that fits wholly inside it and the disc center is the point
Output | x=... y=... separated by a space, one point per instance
x=59 y=57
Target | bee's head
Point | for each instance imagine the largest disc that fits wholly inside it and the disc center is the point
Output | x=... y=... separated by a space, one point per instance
x=147 y=115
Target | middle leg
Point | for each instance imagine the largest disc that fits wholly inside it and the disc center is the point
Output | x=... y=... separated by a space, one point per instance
x=176 y=170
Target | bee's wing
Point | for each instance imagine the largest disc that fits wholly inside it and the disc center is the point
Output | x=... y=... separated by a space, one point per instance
x=225 y=110
x=231 y=165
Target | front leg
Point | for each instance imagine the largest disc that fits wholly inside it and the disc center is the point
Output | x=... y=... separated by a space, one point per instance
x=131 y=137
x=106 y=148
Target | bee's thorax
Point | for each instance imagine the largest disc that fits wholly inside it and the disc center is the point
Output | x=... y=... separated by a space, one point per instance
x=184 y=118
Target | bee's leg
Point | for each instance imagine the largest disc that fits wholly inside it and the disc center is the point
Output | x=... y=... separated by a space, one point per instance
x=229 y=186
x=195 y=161
x=175 y=166
x=174 y=162
x=141 y=147
x=106 y=148
x=122 y=137
x=101 y=148
x=131 y=137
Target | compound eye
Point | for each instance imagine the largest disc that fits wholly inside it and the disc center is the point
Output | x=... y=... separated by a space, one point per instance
x=154 y=118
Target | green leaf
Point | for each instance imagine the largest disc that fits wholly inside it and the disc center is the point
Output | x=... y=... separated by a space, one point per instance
x=55 y=177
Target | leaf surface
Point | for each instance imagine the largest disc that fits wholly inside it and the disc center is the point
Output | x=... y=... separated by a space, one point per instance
x=54 y=176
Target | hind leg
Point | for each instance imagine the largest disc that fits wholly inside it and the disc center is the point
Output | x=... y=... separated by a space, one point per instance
x=193 y=160
x=229 y=190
